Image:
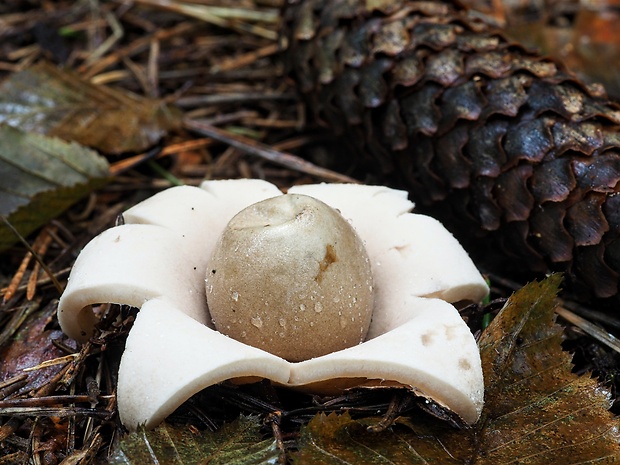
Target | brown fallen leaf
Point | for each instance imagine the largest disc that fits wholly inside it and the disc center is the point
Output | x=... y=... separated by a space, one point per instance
x=30 y=346
x=47 y=100
x=536 y=412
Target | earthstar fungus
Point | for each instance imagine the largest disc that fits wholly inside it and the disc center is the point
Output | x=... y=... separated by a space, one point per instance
x=158 y=260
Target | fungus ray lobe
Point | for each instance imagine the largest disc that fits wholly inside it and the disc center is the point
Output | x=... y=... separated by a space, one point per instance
x=536 y=410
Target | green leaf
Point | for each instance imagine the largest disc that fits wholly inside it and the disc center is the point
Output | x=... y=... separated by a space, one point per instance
x=537 y=412
x=47 y=100
x=40 y=177
x=236 y=443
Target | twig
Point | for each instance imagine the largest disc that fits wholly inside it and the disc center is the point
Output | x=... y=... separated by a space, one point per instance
x=41 y=249
x=16 y=320
x=400 y=401
x=46 y=401
x=61 y=412
x=49 y=272
x=53 y=362
x=223 y=17
x=117 y=34
x=259 y=149
x=246 y=59
x=594 y=331
x=10 y=290
x=275 y=419
x=12 y=385
x=135 y=47
x=232 y=97
x=42 y=280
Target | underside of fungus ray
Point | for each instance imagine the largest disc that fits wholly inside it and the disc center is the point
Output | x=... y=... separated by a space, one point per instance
x=416 y=338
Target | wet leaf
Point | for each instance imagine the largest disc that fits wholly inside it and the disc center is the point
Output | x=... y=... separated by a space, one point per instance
x=31 y=345
x=47 y=100
x=536 y=412
x=338 y=439
x=236 y=443
x=40 y=177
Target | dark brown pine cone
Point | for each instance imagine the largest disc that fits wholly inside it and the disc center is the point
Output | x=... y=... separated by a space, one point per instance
x=500 y=142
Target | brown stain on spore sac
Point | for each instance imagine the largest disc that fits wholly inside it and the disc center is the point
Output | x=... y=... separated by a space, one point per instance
x=330 y=257
x=515 y=155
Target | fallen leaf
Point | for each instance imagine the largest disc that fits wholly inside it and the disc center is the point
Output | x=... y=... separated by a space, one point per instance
x=55 y=102
x=30 y=346
x=237 y=443
x=40 y=177
x=536 y=412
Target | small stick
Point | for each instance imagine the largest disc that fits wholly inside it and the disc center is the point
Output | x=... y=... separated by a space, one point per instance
x=34 y=254
x=223 y=17
x=135 y=47
x=245 y=59
x=45 y=401
x=8 y=428
x=61 y=412
x=398 y=403
x=53 y=362
x=264 y=151
x=17 y=278
x=275 y=419
x=37 y=246
x=591 y=329
x=42 y=280
x=12 y=385
x=41 y=249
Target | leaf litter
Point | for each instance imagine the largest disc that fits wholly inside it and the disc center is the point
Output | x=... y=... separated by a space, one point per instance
x=234 y=81
x=239 y=442
x=45 y=100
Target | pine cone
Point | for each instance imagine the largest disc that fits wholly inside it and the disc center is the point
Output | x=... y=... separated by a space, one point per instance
x=500 y=142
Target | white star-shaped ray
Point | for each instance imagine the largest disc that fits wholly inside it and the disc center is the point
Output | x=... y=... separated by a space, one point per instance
x=157 y=262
